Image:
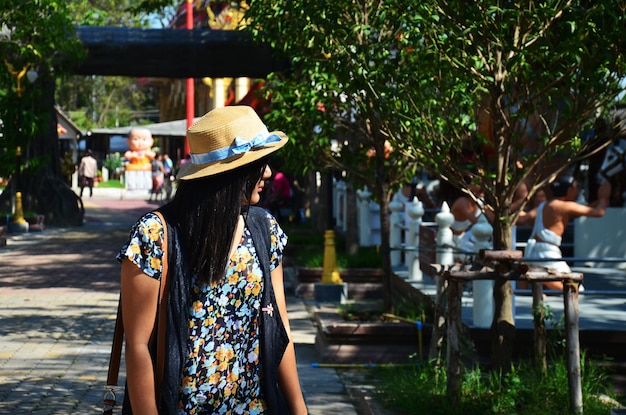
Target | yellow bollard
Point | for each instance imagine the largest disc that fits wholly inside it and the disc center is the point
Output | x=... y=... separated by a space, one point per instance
x=330 y=272
x=19 y=211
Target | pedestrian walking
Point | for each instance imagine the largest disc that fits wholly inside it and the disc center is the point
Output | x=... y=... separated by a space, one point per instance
x=87 y=172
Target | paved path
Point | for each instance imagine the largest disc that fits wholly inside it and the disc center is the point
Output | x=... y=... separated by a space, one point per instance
x=58 y=300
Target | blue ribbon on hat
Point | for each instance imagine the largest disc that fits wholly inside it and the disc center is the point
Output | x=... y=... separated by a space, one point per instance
x=240 y=146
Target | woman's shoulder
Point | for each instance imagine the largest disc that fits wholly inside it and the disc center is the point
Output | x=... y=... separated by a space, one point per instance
x=149 y=224
x=149 y=217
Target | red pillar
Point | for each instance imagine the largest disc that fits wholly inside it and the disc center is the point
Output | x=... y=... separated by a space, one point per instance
x=190 y=81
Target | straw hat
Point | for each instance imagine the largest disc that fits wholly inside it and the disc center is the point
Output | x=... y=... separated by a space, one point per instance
x=227 y=138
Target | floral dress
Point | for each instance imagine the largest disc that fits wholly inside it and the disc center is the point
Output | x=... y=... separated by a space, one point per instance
x=222 y=371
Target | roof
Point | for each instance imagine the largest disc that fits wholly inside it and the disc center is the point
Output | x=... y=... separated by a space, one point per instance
x=176 y=128
x=66 y=128
x=173 y=53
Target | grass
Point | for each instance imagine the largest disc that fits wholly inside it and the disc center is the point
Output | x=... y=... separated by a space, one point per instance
x=111 y=184
x=27 y=214
x=421 y=389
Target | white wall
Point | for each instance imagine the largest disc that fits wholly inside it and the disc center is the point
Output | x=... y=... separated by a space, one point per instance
x=602 y=237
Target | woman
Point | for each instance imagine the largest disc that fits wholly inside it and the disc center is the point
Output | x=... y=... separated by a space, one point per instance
x=229 y=348
x=158 y=176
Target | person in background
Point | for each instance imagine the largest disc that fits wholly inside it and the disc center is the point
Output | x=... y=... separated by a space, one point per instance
x=168 y=165
x=87 y=172
x=466 y=212
x=280 y=196
x=229 y=343
x=158 y=176
x=550 y=219
x=182 y=162
x=169 y=176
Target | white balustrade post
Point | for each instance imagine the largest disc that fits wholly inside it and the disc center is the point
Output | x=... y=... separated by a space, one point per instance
x=219 y=93
x=395 y=233
x=445 y=242
x=364 y=216
x=242 y=86
x=374 y=215
x=415 y=212
x=335 y=203
x=409 y=237
x=340 y=204
x=482 y=290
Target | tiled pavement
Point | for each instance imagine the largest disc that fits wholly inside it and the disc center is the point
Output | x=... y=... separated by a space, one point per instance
x=58 y=301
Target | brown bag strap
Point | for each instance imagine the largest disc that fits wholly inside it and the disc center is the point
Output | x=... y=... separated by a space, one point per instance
x=109 y=399
x=162 y=315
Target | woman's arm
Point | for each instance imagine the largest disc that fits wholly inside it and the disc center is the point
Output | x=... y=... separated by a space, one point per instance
x=139 y=304
x=287 y=371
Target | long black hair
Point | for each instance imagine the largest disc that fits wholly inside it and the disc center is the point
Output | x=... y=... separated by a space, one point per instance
x=207 y=212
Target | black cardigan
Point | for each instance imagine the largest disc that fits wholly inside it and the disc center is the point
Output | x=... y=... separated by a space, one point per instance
x=274 y=339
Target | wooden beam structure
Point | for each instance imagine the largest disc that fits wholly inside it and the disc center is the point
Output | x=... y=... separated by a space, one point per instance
x=173 y=53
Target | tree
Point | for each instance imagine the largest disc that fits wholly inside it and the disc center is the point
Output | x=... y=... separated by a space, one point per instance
x=338 y=100
x=105 y=101
x=496 y=93
x=40 y=35
x=512 y=89
x=35 y=35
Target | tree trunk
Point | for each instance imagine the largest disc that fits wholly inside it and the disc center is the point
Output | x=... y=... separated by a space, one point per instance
x=44 y=190
x=439 y=327
x=385 y=246
x=503 y=325
x=539 y=323
x=352 y=228
x=382 y=192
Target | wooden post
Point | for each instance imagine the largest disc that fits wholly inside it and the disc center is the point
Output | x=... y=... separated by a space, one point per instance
x=445 y=257
x=453 y=354
x=570 y=298
x=539 y=325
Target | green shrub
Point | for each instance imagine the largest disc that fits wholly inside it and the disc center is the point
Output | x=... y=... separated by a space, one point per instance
x=113 y=161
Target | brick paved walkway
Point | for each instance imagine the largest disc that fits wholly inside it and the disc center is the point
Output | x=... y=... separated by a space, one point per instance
x=58 y=300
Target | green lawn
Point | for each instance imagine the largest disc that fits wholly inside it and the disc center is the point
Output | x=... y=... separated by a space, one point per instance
x=111 y=184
